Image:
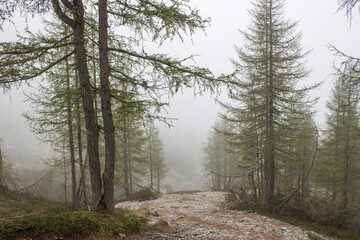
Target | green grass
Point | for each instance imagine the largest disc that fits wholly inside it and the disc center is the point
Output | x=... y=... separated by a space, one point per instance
x=15 y=204
x=28 y=216
x=187 y=192
x=142 y=195
x=328 y=230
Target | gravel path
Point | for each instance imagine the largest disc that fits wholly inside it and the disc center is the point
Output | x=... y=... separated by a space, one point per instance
x=203 y=216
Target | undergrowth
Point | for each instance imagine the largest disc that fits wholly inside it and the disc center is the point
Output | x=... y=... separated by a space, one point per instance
x=23 y=215
x=298 y=214
x=142 y=195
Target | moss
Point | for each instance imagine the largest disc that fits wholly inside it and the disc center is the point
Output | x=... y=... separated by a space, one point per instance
x=65 y=225
x=143 y=195
x=53 y=218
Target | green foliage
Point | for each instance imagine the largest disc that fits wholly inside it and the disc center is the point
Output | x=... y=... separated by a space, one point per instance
x=312 y=215
x=143 y=195
x=71 y=224
x=122 y=222
x=64 y=224
x=12 y=203
x=187 y=192
x=50 y=218
x=269 y=103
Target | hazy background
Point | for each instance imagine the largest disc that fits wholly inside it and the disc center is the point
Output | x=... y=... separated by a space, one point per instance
x=319 y=22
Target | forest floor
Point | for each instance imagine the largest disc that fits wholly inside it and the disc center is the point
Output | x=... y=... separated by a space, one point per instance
x=204 y=216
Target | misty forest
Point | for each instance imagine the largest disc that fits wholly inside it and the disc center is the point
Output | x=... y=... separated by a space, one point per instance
x=99 y=78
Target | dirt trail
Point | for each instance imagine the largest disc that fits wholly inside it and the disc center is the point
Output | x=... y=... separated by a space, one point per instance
x=203 y=216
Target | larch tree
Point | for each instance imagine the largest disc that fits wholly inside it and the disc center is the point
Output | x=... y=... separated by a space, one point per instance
x=158 y=159
x=266 y=92
x=159 y=20
x=342 y=139
x=219 y=162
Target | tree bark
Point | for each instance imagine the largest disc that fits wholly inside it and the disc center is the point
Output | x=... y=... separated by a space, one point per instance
x=82 y=184
x=346 y=179
x=77 y=25
x=150 y=156
x=88 y=106
x=126 y=160
x=74 y=203
x=1 y=167
x=269 y=150
x=65 y=176
x=109 y=129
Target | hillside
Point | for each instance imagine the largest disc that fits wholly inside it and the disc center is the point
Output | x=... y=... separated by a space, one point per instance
x=204 y=216
x=23 y=216
x=201 y=215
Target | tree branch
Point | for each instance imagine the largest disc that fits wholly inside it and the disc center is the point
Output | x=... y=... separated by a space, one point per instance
x=59 y=12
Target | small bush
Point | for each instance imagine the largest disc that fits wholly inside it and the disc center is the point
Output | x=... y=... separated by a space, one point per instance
x=53 y=218
x=327 y=219
x=66 y=224
x=143 y=195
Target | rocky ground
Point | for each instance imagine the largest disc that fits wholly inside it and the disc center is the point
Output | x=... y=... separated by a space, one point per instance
x=204 y=216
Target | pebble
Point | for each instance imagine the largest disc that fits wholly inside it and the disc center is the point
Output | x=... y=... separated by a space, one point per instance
x=203 y=216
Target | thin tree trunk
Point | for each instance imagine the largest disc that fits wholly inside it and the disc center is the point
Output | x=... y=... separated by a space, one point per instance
x=269 y=150
x=131 y=184
x=150 y=156
x=225 y=168
x=1 y=167
x=71 y=136
x=82 y=184
x=125 y=156
x=158 y=167
x=88 y=104
x=109 y=129
x=158 y=179
x=347 y=155
x=65 y=176
x=131 y=191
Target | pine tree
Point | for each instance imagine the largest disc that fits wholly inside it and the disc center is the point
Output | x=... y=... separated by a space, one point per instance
x=219 y=161
x=341 y=140
x=267 y=98
x=156 y=74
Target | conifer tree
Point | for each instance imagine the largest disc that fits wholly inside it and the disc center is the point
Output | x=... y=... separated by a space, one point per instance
x=341 y=140
x=267 y=96
x=154 y=73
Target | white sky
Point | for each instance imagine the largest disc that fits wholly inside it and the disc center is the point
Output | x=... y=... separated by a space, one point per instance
x=319 y=23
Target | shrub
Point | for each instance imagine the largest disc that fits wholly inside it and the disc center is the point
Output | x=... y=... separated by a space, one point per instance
x=66 y=224
x=143 y=195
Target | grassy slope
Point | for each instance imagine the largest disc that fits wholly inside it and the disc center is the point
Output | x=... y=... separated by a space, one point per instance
x=28 y=216
x=329 y=230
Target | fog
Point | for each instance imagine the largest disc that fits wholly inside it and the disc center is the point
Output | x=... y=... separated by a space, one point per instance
x=320 y=24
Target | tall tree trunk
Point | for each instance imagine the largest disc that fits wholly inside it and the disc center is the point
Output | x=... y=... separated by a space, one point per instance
x=88 y=104
x=109 y=129
x=71 y=136
x=158 y=166
x=90 y=118
x=131 y=184
x=82 y=184
x=158 y=179
x=126 y=160
x=150 y=157
x=1 y=167
x=347 y=154
x=269 y=150
x=65 y=176
x=225 y=168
